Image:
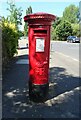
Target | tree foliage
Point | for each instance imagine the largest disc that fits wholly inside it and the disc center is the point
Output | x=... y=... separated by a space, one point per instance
x=28 y=11
x=15 y=14
x=67 y=24
x=53 y=33
x=56 y=22
x=9 y=39
x=70 y=14
x=20 y=33
x=63 y=30
x=53 y=28
x=76 y=30
x=10 y=32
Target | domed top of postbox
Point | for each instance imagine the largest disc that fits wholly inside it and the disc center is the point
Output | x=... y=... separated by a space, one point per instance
x=39 y=18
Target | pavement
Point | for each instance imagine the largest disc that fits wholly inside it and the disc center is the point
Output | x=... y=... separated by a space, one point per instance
x=63 y=98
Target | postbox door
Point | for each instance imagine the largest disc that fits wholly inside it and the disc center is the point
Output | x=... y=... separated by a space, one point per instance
x=40 y=60
x=41 y=48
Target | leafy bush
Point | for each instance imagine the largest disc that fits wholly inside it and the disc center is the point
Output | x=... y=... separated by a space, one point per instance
x=53 y=34
x=63 y=30
x=9 y=40
x=76 y=29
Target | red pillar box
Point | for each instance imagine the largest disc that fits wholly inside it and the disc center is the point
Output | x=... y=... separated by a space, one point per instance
x=39 y=48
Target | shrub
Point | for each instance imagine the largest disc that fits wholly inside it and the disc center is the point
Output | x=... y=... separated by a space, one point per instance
x=9 y=40
x=53 y=34
x=76 y=29
x=63 y=30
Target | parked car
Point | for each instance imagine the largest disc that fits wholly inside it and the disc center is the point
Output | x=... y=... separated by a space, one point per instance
x=73 y=39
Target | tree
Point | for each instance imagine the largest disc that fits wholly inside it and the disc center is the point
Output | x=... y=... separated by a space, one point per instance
x=63 y=30
x=20 y=33
x=28 y=11
x=53 y=34
x=70 y=14
x=54 y=25
x=56 y=22
x=15 y=14
x=76 y=30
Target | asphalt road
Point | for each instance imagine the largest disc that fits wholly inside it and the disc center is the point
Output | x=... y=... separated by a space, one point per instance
x=67 y=54
x=68 y=49
x=64 y=86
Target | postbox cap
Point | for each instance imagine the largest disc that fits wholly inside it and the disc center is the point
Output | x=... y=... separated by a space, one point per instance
x=39 y=18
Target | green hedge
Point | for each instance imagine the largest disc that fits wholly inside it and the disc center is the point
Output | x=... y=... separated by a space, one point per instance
x=9 y=40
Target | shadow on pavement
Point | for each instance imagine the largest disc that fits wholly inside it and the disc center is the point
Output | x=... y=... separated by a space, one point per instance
x=63 y=99
x=61 y=81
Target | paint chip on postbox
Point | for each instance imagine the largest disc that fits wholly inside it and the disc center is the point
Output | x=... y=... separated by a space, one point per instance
x=40 y=44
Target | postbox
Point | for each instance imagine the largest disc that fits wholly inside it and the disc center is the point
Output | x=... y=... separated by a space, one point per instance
x=39 y=51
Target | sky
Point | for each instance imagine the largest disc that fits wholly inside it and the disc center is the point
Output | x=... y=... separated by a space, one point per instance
x=55 y=7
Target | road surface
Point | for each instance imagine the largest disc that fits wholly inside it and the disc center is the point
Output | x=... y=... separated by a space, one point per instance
x=68 y=49
x=66 y=54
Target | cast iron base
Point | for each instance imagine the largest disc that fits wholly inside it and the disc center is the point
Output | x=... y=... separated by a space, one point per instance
x=38 y=93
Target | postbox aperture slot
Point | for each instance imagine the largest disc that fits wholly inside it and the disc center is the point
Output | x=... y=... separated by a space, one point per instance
x=40 y=31
x=40 y=44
